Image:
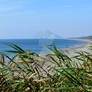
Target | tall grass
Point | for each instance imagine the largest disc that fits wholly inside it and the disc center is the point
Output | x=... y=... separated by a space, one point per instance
x=25 y=72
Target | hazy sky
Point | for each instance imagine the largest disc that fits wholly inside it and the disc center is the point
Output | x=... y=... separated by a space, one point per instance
x=29 y=18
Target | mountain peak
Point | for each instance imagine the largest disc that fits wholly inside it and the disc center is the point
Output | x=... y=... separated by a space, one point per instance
x=49 y=35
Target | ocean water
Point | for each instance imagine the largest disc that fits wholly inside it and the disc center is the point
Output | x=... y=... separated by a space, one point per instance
x=38 y=45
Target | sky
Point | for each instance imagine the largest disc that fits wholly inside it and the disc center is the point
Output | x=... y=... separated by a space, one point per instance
x=35 y=18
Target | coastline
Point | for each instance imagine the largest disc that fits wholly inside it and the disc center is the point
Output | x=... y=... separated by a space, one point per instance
x=72 y=51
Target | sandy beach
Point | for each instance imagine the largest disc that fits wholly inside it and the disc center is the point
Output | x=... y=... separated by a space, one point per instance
x=78 y=48
x=72 y=51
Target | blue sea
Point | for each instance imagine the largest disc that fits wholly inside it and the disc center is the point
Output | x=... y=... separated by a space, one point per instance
x=38 y=45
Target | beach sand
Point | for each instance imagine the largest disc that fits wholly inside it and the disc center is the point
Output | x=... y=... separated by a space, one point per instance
x=78 y=48
x=72 y=51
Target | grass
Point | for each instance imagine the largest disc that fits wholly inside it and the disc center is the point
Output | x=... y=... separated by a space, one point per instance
x=28 y=74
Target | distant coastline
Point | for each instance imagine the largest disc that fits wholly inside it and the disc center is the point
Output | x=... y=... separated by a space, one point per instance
x=72 y=51
x=78 y=48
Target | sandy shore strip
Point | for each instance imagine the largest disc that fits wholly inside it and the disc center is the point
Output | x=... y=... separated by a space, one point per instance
x=79 y=48
x=68 y=51
x=72 y=51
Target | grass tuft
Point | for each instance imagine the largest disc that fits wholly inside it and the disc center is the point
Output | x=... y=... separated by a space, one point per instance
x=28 y=72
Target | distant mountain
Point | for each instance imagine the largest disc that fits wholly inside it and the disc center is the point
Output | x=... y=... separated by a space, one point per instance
x=48 y=35
x=86 y=37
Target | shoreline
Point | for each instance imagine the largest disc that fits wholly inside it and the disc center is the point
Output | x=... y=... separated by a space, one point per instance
x=72 y=51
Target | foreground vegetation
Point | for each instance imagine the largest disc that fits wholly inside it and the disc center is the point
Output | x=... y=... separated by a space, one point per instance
x=25 y=72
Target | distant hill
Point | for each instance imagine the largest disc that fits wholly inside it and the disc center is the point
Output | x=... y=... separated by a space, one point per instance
x=87 y=37
x=48 y=35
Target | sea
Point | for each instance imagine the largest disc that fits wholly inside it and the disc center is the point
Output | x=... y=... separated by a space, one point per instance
x=38 y=45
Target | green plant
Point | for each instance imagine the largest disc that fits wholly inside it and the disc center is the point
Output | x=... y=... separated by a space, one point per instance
x=25 y=73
